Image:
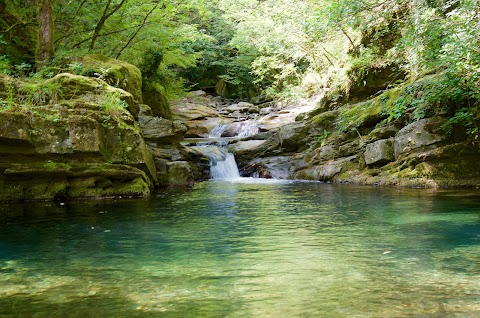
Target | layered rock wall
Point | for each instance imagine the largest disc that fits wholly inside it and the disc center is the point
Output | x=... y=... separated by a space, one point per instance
x=76 y=136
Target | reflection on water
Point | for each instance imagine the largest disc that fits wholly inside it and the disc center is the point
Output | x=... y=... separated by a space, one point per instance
x=245 y=250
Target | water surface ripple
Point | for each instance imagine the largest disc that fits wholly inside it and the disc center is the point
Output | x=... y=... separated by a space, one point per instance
x=245 y=249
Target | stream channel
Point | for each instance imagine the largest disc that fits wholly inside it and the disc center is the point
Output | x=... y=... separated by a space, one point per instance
x=250 y=248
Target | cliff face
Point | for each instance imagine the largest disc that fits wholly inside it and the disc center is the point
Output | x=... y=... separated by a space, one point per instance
x=75 y=136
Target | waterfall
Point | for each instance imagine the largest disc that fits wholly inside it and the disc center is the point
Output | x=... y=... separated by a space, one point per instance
x=222 y=163
x=248 y=129
x=217 y=131
x=226 y=169
x=215 y=148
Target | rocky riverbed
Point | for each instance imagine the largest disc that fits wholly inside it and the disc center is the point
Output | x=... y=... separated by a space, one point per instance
x=354 y=143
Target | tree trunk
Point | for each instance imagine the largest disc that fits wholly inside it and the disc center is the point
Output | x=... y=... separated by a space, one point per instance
x=45 y=33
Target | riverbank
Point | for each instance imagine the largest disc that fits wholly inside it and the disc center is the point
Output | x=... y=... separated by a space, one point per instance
x=76 y=136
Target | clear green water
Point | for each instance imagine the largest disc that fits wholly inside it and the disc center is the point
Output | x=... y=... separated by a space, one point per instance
x=245 y=250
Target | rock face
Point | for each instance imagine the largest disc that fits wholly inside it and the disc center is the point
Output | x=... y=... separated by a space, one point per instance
x=73 y=155
x=357 y=143
x=379 y=152
x=414 y=136
x=87 y=137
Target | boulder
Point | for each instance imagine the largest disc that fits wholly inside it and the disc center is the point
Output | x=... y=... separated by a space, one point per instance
x=157 y=102
x=294 y=136
x=246 y=146
x=179 y=174
x=415 y=135
x=93 y=89
x=272 y=167
x=116 y=73
x=184 y=111
x=379 y=152
x=161 y=130
x=326 y=171
x=239 y=108
x=202 y=128
x=222 y=89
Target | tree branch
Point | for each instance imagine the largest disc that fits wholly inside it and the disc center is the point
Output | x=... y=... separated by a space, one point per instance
x=136 y=31
x=102 y=21
x=69 y=27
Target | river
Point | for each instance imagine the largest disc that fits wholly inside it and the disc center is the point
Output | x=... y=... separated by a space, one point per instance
x=245 y=249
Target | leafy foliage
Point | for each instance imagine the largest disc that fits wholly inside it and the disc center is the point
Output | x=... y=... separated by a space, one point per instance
x=277 y=49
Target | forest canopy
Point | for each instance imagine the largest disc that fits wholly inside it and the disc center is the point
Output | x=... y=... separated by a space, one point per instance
x=268 y=49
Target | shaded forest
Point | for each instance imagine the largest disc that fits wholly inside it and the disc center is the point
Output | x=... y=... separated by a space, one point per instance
x=266 y=49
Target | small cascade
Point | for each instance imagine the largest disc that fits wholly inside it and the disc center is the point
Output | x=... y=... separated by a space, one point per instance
x=226 y=169
x=222 y=163
x=217 y=131
x=215 y=148
x=248 y=129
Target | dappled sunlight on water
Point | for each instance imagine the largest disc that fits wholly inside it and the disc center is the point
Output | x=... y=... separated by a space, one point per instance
x=245 y=249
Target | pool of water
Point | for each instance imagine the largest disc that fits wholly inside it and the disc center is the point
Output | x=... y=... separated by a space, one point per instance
x=245 y=249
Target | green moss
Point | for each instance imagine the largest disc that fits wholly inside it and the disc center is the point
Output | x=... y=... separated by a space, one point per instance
x=102 y=187
x=361 y=114
x=371 y=112
x=325 y=119
x=50 y=165
x=116 y=73
x=304 y=175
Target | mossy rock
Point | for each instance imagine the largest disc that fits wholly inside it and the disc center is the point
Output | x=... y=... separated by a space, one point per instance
x=101 y=187
x=51 y=179
x=157 y=102
x=15 y=130
x=368 y=80
x=36 y=189
x=325 y=120
x=179 y=174
x=369 y=113
x=50 y=136
x=116 y=73
x=91 y=89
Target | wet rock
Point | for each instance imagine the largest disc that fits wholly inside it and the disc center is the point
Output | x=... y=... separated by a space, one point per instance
x=273 y=167
x=246 y=146
x=179 y=174
x=202 y=128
